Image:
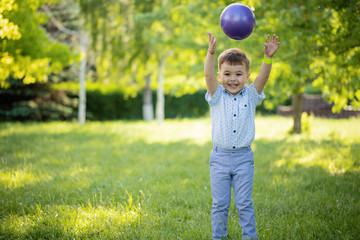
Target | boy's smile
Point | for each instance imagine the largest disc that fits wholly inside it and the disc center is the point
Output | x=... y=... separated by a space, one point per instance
x=233 y=77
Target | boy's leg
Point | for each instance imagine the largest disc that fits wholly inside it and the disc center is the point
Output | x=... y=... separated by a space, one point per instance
x=221 y=195
x=243 y=183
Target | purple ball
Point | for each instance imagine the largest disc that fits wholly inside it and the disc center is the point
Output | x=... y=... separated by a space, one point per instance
x=237 y=21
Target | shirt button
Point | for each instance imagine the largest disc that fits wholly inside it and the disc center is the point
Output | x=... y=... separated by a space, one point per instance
x=235 y=99
x=234 y=131
x=234 y=115
x=233 y=147
x=245 y=105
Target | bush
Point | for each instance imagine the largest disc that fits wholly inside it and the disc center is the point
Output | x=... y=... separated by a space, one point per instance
x=112 y=106
x=193 y=105
x=35 y=102
x=44 y=102
x=115 y=105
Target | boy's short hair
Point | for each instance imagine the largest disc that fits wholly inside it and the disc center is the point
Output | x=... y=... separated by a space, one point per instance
x=234 y=56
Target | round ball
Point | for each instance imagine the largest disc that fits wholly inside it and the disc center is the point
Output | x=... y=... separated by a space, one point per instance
x=237 y=21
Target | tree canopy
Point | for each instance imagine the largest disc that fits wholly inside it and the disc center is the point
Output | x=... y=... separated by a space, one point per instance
x=28 y=54
x=320 y=44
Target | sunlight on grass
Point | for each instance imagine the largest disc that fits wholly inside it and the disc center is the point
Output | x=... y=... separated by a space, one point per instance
x=49 y=128
x=334 y=159
x=330 y=144
x=280 y=163
x=195 y=132
x=274 y=128
x=75 y=221
x=19 y=178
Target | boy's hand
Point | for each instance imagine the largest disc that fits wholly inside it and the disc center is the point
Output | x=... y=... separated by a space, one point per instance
x=209 y=67
x=271 y=46
x=212 y=43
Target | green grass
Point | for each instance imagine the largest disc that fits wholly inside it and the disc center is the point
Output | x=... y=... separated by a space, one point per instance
x=136 y=180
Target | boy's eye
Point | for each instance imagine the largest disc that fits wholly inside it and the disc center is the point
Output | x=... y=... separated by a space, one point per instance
x=227 y=74
x=239 y=74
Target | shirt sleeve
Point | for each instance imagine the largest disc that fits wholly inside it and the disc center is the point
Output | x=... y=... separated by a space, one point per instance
x=255 y=97
x=212 y=101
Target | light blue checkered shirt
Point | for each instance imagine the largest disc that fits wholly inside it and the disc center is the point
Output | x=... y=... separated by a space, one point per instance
x=233 y=118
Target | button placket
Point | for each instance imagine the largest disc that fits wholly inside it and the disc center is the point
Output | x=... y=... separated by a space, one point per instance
x=233 y=121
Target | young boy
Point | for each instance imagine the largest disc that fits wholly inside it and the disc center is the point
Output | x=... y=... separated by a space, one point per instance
x=232 y=108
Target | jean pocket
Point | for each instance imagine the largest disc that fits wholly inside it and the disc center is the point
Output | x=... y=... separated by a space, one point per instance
x=213 y=157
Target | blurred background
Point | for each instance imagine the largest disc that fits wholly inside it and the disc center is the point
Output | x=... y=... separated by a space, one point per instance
x=143 y=59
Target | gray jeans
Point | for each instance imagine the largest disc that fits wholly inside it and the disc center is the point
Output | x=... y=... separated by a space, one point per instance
x=235 y=168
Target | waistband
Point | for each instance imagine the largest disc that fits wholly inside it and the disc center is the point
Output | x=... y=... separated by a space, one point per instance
x=237 y=150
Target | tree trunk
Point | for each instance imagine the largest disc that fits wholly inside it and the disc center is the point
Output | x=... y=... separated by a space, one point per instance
x=148 y=110
x=297 y=111
x=84 y=38
x=160 y=102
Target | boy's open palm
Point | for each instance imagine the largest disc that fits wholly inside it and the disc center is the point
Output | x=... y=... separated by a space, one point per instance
x=212 y=43
x=271 y=46
x=209 y=67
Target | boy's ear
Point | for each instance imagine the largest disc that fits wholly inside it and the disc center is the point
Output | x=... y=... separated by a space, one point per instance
x=247 y=78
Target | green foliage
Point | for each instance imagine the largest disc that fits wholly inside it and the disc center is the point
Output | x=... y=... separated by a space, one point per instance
x=136 y=180
x=319 y=45
x=27 y=53
x=306 y=124
x=114 y=105
x=150 y=30
x=35 y=102
x=306 y=120
x=104 y=102
x=296 y=25
x=340 y=48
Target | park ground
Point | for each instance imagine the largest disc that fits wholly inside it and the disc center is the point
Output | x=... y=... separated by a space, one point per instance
x=137 y=180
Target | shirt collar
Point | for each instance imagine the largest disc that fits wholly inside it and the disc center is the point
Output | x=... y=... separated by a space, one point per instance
x=241 y=93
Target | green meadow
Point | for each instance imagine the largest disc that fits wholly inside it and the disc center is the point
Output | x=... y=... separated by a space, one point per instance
x=137 y=180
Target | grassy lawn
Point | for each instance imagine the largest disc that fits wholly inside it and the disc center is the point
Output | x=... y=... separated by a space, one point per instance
x=136 y=180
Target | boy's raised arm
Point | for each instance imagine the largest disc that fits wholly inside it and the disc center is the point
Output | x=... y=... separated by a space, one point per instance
x=209 y=67
x=270 y=48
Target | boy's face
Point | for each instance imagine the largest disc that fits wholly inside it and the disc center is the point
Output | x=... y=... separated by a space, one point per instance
x=233 y=77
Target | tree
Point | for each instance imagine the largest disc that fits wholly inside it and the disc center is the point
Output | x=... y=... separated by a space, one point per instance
x=339 y=48
x=83 y=38
x=306 y=55
x=27 y=52
x=107 y=22
x=134 y=40
x=173 y=43
x=297 y=27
